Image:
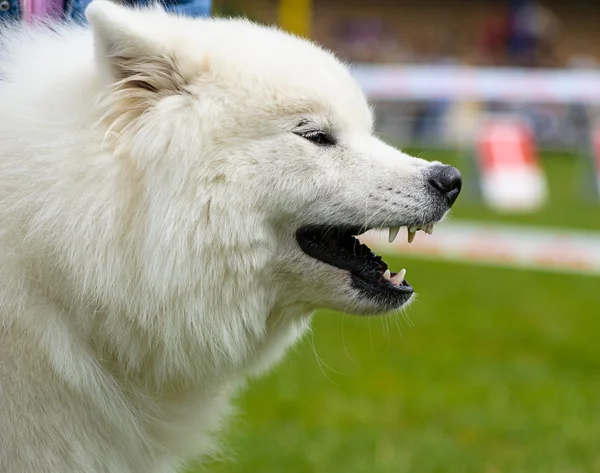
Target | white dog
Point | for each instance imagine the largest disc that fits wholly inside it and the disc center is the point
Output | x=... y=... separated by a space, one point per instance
x=176 y=197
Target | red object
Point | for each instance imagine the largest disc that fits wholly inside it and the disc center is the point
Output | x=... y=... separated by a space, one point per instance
x=507 y=146
x=510 y=173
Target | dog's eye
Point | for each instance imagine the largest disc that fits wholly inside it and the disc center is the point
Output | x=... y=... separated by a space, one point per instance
x=318 y=137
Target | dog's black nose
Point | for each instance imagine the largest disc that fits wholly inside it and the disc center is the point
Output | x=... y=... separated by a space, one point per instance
x=447 y=180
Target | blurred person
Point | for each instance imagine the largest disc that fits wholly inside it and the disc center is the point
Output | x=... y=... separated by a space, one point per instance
x=532 y=34
x=492 y=40
x=370 y=40
x=437 y=48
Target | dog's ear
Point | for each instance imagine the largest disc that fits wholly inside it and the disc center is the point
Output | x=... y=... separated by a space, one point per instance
x=127 y=52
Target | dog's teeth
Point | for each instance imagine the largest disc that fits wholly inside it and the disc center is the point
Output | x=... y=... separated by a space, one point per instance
x=393 y=234
x=387 y=274
x=399 y=277
x=429 y=228
x=411 y=235
x=413 y=228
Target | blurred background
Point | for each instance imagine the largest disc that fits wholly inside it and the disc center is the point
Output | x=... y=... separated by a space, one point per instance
x=496 y=366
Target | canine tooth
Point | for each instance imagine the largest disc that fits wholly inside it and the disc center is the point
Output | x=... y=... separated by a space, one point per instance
x=411 y=235
x=399 y=277
x=393 y=234
x=387 y=275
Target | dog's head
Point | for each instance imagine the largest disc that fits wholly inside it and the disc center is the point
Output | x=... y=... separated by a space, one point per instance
x=262 y=146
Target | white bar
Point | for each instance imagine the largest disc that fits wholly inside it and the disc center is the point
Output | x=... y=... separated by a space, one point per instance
x=562 y=250
x=394 y=82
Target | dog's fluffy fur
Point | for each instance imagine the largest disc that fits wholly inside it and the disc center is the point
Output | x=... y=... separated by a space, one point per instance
x=152 y=178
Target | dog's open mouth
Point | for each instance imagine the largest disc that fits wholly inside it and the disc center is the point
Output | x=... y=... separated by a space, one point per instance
x=339 y=247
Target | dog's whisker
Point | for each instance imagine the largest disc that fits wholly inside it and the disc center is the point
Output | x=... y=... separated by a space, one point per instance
x=398 y=323
x=345 y=346
x=322 y=364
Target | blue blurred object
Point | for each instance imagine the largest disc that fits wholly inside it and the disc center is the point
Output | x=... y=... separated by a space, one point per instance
x=522 y=39
x=9 y=10
x=74 y=9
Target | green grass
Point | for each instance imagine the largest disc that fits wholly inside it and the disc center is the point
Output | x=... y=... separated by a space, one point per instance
x=496 y=371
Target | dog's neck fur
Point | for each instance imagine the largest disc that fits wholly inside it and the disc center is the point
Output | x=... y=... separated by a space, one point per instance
x=221 y=336
x=159 y=389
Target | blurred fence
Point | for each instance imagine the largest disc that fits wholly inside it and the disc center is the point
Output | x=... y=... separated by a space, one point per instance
x=441 y=106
